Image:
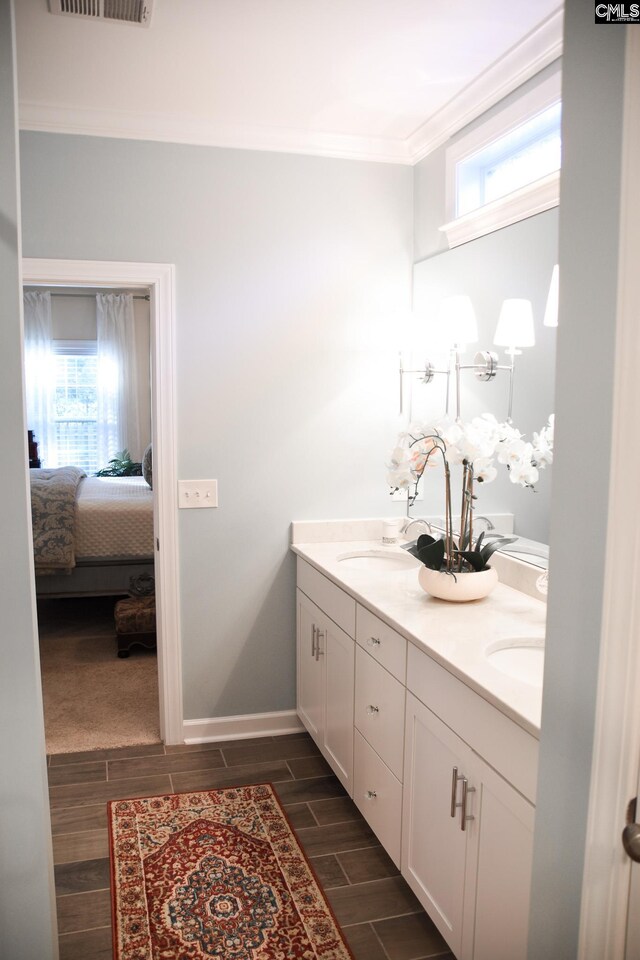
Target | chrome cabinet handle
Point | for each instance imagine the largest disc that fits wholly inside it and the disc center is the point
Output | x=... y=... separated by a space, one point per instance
x=454 y=790
x=373 y=642
x=313 y=641
x=464 y=816
x=319 y=652
x=466 y=790
x=370 y=795
x=371 y=709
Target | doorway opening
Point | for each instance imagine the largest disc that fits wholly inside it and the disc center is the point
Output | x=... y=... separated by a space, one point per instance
x=157 y=282
x=96 y=429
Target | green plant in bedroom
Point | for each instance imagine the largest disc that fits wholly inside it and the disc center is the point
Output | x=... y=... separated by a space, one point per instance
x=121 y=465
x=470 y=448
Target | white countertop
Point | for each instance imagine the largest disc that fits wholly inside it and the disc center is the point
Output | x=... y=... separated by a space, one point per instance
x=456 y=635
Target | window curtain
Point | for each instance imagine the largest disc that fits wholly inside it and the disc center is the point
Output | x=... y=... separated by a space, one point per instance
x=117 y=381
x=39 y=374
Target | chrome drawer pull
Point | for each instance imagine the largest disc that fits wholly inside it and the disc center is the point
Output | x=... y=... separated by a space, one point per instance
x=372 y=710
x=454 y=790
x=370 y=795
x=313 y=640
x=464 y=816
x=373 y=642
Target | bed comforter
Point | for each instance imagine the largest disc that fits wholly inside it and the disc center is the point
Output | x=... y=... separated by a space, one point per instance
x=53 y=513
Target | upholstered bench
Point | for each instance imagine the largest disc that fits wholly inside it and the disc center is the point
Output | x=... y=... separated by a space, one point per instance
x=135 y=623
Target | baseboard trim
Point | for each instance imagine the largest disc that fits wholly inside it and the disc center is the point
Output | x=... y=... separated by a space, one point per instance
x=247 y=725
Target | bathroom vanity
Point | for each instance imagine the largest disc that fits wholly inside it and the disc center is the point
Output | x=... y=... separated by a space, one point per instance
x=429 y=713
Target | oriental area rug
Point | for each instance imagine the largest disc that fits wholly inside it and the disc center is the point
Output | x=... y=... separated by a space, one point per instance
x=215 y=874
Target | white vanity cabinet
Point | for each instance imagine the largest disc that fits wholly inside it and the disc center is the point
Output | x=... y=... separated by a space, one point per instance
x=467 y=832
x=446 y=780
x=325 y=668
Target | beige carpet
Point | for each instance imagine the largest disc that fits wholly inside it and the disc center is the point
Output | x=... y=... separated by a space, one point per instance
x=92 y=699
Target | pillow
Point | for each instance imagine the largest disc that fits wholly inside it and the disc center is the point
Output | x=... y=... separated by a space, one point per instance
x=147 y=471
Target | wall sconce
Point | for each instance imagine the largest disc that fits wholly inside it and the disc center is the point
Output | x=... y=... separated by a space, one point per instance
x=514 y=330
x=458 y=325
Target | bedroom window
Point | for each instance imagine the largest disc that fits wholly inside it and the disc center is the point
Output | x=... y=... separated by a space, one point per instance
x=506 y=169
x=75 y=407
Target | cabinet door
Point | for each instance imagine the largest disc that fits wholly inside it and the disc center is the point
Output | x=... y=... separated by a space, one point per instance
x=309 y=669
x=434 y=847
x=337 y=650
x=503 y=870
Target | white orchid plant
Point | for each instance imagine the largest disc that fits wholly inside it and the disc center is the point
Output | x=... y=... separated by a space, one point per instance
x=475 y=447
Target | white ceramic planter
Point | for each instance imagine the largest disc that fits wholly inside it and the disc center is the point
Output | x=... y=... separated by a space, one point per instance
x=458 y=587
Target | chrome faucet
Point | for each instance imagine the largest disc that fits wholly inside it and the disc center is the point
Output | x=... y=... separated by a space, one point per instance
x=489 y=525
x=405 y=529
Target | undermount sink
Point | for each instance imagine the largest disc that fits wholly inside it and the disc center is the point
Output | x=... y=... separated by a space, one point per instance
x=521 y=658
x=382 y=560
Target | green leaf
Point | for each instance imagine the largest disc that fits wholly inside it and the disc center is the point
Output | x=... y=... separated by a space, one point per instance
x=424 y=540
x=491 y=548
x=473 y=558
x=432 y=555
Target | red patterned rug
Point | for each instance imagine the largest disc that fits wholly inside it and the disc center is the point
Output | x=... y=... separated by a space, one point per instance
x=217 y=874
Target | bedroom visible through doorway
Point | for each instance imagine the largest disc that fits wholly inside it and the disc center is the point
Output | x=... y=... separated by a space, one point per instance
x=89 y=413
x=157 y=281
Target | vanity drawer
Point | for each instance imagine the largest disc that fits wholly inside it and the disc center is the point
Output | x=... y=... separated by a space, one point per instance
x=378 y=796
x=382 y=642
x=337 y=604
x=379 y=710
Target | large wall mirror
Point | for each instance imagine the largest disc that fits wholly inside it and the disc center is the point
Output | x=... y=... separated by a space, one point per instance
x=515 y=262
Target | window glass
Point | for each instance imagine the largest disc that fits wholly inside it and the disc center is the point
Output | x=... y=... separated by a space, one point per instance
x=75 y=409
x=520 y=157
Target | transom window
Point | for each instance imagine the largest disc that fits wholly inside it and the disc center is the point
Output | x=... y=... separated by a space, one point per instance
x=75 y=407
x=507 y=168
x=522 y=156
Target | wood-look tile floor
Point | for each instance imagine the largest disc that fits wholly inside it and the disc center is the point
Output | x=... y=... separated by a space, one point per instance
x=380 y=917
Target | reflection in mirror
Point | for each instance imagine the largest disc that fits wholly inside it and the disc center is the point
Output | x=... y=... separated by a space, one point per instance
x=515 y=263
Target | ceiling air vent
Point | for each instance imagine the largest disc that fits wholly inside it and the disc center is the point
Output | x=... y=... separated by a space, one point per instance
x=125 y=11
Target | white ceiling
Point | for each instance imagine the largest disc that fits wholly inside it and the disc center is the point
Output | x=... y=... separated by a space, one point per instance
x=372 y=79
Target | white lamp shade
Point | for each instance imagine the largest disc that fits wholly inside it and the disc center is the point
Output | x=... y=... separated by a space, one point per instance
x=457 y=320
x=515 y=325
x=551 y=311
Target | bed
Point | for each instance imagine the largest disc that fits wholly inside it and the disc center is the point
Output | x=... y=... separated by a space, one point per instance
x=91 y=534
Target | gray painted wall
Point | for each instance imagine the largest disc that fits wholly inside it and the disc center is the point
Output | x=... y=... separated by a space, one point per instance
x=291 y=271
x=27 y=906
x=589 y=222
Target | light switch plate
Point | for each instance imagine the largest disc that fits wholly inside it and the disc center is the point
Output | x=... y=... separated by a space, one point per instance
x=197 y=494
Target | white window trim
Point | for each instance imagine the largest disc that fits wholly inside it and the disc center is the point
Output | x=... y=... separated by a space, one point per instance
x=518 y=205
x=522 y=203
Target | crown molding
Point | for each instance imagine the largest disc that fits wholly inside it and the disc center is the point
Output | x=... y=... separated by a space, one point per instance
x=538 y=49
x=524 y=60
x=180 y=128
